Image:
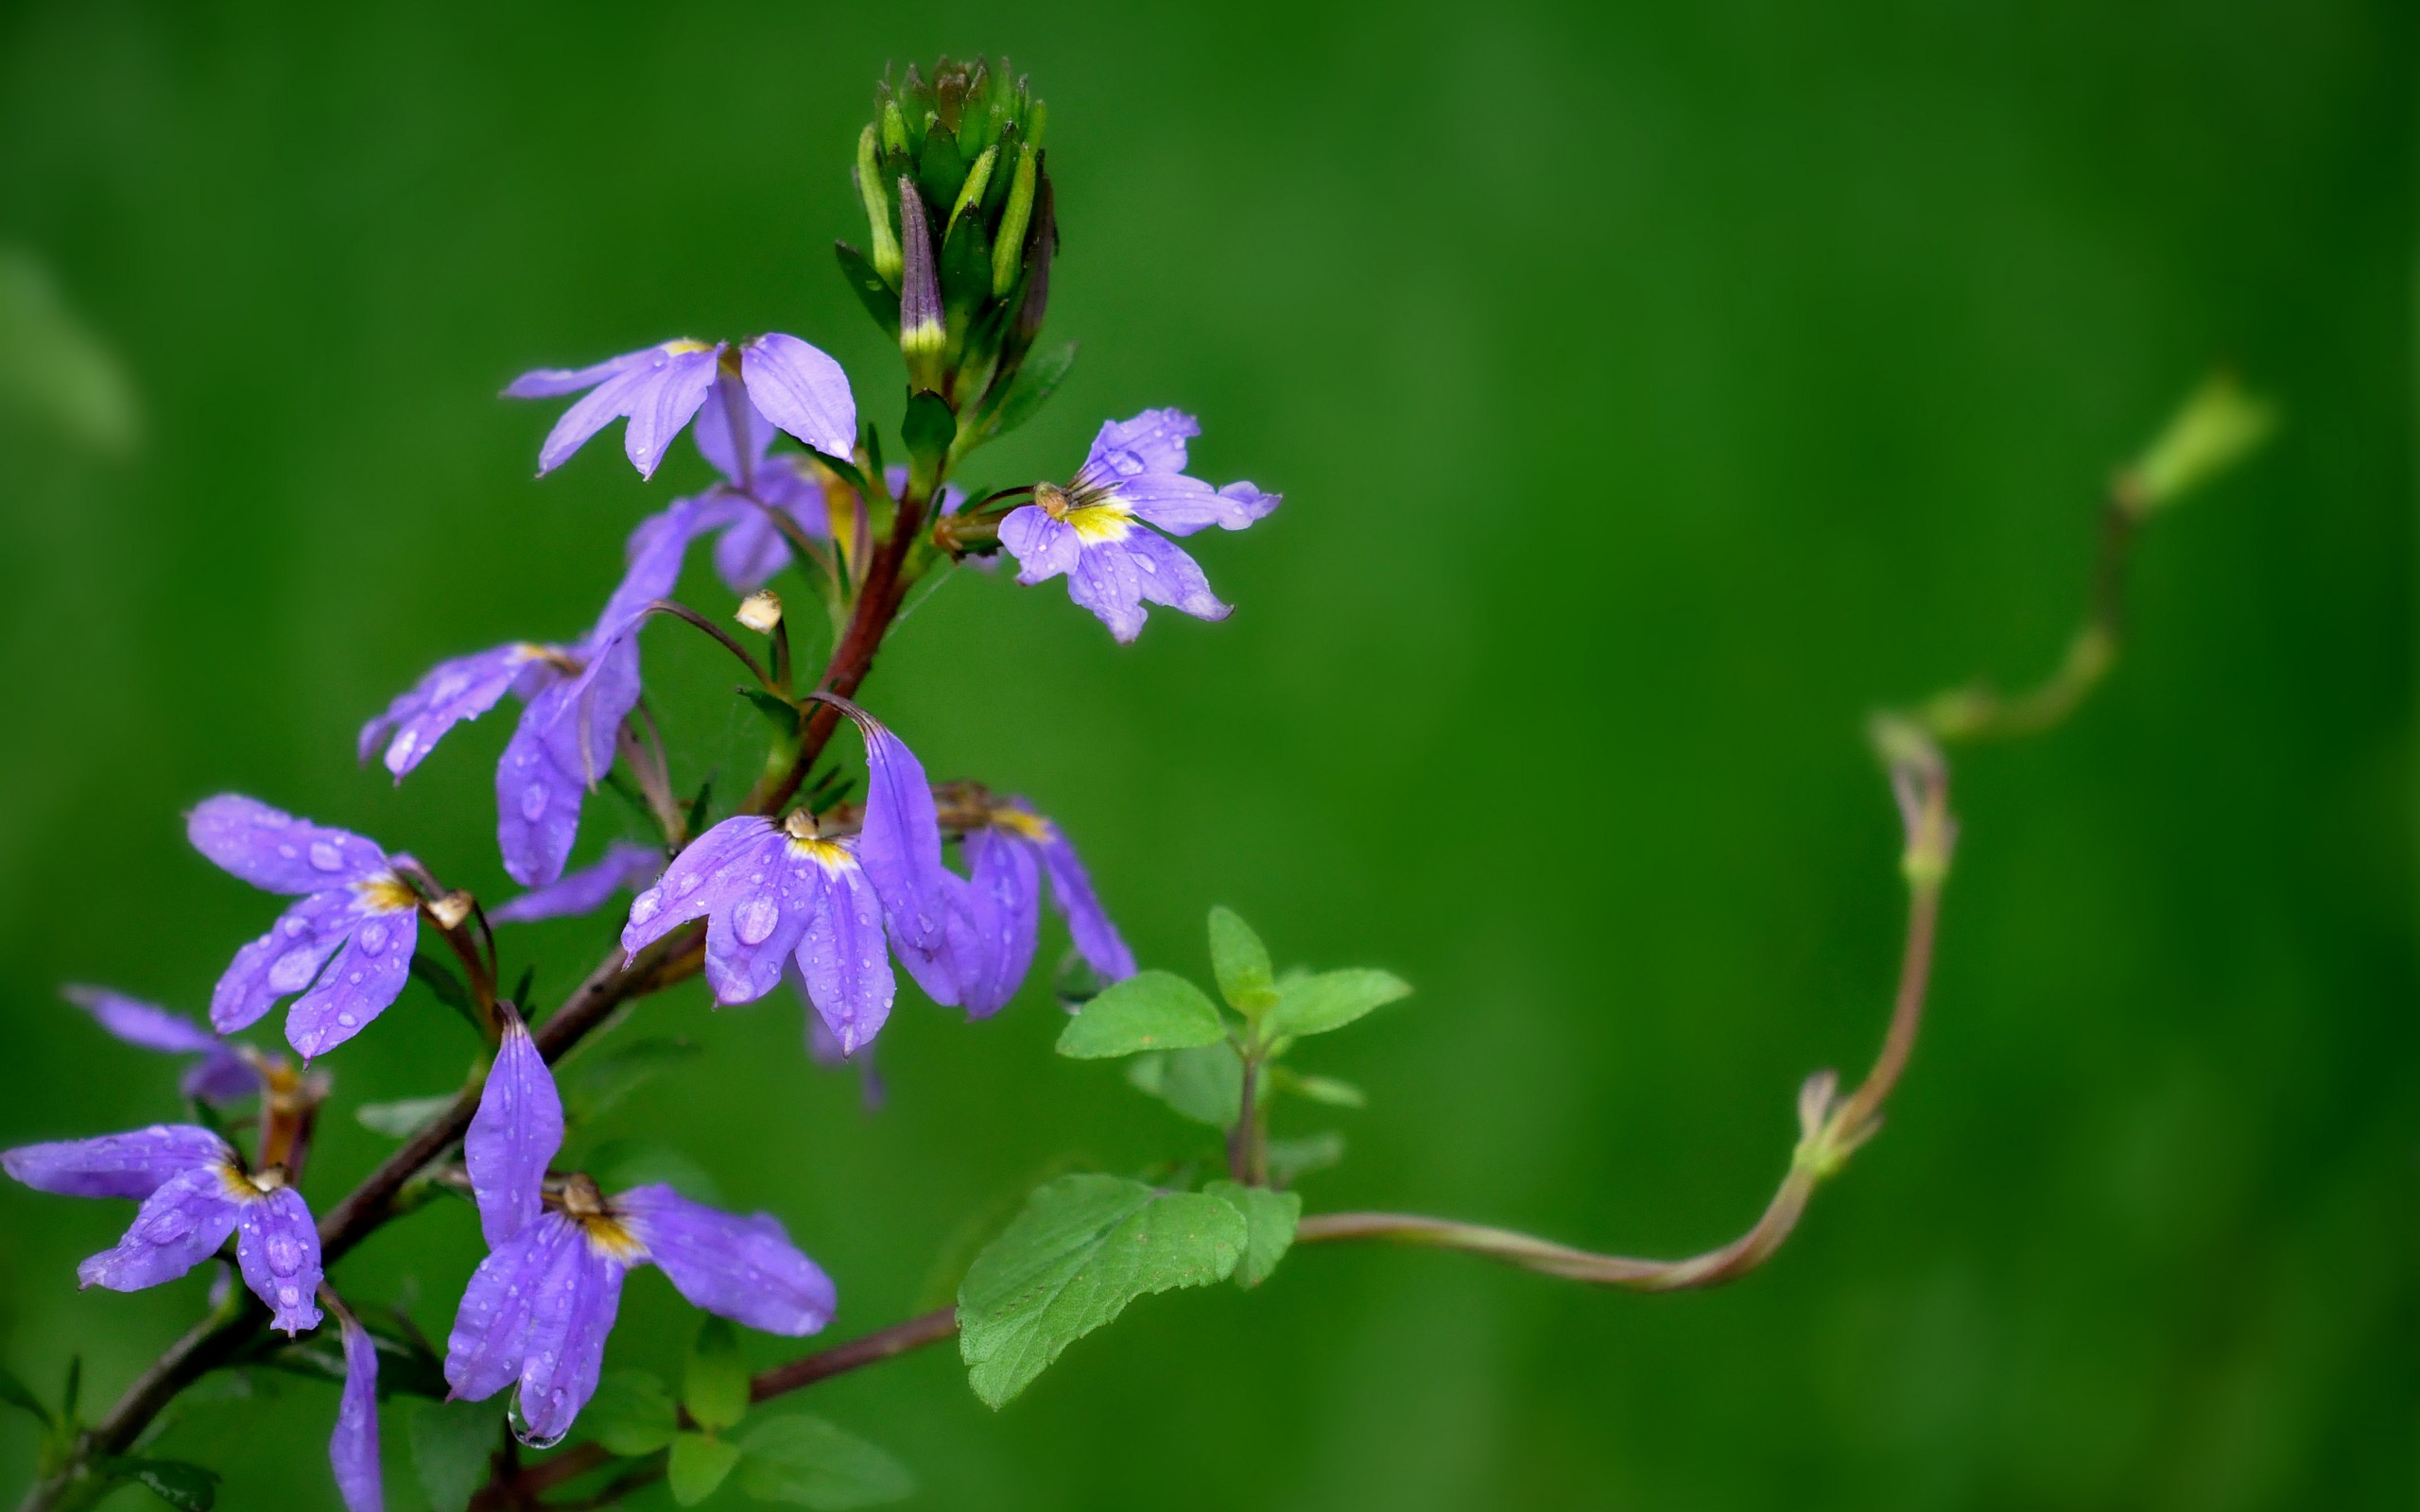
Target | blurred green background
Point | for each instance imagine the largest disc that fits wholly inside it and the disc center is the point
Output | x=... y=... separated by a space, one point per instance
x=1655 y=391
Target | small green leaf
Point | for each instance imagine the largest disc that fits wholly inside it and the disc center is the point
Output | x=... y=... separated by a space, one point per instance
x=1331 y=1000
x=621 y=1164
x=1269 y=1219
x=1206 y=1083
x=73 y=1393
x=1036 y=383
x=698 y=1467
x=715 y=1388
x=593 y=1082
x=630 y=1414
x=807 y=1462
x=441 y=980
x=402 y=1119
x=1290 y=1159
x=780 y=712
x=17 y=1394
x=186 y=1488
x=1156 y=1010
x=1085 y=1246
x=452 y=1443
x=1241 y=962
x=1326 y=1089
x=880 y=299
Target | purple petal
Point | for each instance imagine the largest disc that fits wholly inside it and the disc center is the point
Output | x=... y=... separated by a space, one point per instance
x=366 y=975
x=518 y=1129
x=584 y=891
x=1152 y=441
x=1005 y=878
x=842 y=959
x=1043 y=547
x=754 y=547
x=465 y=688
x=553 y=383
x=900 y=846
x=735 y=450
x=944 y=967
x=1105 y=582
x=1166 y=575
x=277 y=1247
x=181 y=1225
x=566 y=1350
x=1071 y=890
x=353 y=1448
x=133 y=1164
x=802 y=392
x=1253 y=504
x=491 y=1328
x=759 y=907
x=536 y=802
x=140 y=1023
x=219 y=1076
x=660 y=409
x=1181 y=506
x=745 y=1269
x=682 y=893
x=282 y=962
x=277 y=851
x=654 y=552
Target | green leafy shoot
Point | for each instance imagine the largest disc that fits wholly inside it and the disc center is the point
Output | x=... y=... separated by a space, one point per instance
x=1204 y=1084
x=804 y=1461
x=715 y=1388
x=1326 y=1089
x=1331 y=1000
x=698 y=1467
x=1153 y=1010
x=1085 y=1246
x=1289 y=1160
x=1269 y=1219
x=1241 y=964
x=631 y=1413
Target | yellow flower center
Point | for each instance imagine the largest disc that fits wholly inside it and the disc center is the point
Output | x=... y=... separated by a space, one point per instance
x=387 y=894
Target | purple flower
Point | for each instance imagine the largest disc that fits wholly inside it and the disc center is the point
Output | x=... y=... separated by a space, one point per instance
x=221 y=1075
x=195 y=1193
x=346 y=946
x=576 y=697
x=353 y=1448
x=538 y=1309
x=1092 y=529
x=787 y=381
x=623 y=866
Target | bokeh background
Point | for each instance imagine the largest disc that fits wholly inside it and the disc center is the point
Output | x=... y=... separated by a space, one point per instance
x=1655 y=389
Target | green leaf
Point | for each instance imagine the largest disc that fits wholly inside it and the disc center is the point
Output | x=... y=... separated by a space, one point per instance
x=17 y=1394
x=631 y=1413
x=594 y=1082
x=807 y=1462
x=1036 y=383
x=54 y=368
x=880 y=299
x=620 y=1164
x=186 y=1488
x=1326 y=1089
x=1156 y=1010
x=1269 y=1219
x=1290 y=1159
x=715 y=1388
x=1331 y=1000
x=1241 y=962
x=402 y=1119
x=928 y=427
x=74 y=1392
x=781 y=711
x=698 y=1466
x=452 y=1443
x=1205 y=1085
x=1085 y=1246
x=441 y=980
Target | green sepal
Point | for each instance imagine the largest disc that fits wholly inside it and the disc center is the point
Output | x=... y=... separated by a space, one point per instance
x=715 y=1386
x=875 y=292
x=1315 y=1005
x=698 y=1467
x=186 y=1488
x=440 y=979
x=1153 y=1010
x=780 y=710
x=1240 y=962
x=1083 y=1247
x=941 y=171
x=1205 y=1085
x=631 y=1413
x=452 y=1444
x=1270 y=1218
x=1034 y=383
x=846 y=468
x=804 y=1461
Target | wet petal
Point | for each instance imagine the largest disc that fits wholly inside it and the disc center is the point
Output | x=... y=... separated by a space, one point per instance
x=537 y=800
x=689 y=888
x=1152 y=441
x=566 y=1344
x=518 y=1129
x=282 y=962
x=277 y=1247
x=900 y=844
x=367 y=975
x=484 y=1352
x=759 y=913
x=1106 y=582
x=1005 y=878
x=743 y=1268
x=733 y=451
x=584 y=891
x=140 y=1023
x=1166 y=575
x=650 y=386
x=801 y=391
x=658 y=411
x=133 y=1164
x=463 y=688
x=1181 y=506
x=552 y=382
x=353 y=1448
x=1071 y=890
x=843 y=961
x=277 y=851
x=219 y=1076
x=181 y=1225
x=1043 y=547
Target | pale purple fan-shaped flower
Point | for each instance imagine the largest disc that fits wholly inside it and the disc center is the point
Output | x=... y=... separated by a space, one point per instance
x=537 y=1311
x=576 y=697
x=353 y=1448
x=624 y=867
x=660 y=388
x=517 y=1129
x=346 y=946
x=195 y=1193
x=1092 y=529
x=220 y=1075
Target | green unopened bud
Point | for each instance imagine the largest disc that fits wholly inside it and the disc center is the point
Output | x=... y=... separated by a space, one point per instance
x=895 y=129
x=2219 y=426
x=886 y=242
x=922 y=335
x=978 y=180
x=1007 y=248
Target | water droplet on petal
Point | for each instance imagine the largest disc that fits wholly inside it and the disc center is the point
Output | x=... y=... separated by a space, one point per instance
x=405 y=744
x=756 y=919
x=325 y=855
x=647 y=907
x=347 y=1020
x=533 y=801
x=373 y=938
x=293 y=970
x=287 y=850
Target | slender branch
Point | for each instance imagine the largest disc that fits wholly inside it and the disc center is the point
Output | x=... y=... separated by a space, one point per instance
x=682 y=612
